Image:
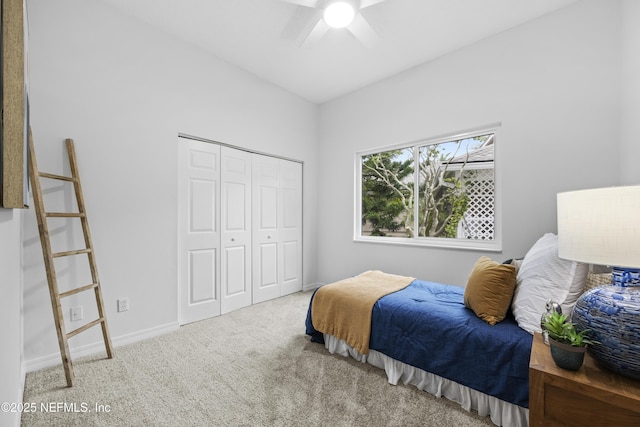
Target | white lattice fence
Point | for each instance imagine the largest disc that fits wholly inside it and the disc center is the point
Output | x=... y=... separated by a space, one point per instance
x=478 y=221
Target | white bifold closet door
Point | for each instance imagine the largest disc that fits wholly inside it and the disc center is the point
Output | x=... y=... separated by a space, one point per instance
x=198 y=230
x=239 y=228
x=291 y=227
x=277 y=227
x=236 y=229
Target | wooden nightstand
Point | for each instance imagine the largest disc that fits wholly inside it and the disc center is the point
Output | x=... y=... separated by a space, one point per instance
x=590 y=396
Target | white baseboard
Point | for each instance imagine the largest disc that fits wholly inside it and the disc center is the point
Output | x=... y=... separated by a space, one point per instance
x=16 y=416
x=147 y=333
x=23 y=377
x=89 y=349
x=311 y=286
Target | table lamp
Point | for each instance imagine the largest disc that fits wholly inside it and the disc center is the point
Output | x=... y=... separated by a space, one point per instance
x=602 y=226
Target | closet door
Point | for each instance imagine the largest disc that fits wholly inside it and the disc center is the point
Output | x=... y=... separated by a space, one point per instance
x=265 y=219
x=290 y=227
x=235 y=229
x=199 y=230
x=277 y=227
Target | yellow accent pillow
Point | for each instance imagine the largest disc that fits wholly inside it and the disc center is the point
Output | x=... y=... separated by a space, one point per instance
x=490 y=289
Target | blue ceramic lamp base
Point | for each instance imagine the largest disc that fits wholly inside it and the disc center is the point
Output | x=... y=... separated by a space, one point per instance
x=612 y=314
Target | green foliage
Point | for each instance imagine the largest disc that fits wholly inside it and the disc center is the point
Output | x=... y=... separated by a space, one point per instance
x=385 y=192
x=457 y=202
x=562 y=330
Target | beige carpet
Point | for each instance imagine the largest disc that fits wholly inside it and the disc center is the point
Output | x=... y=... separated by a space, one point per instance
x=252 y=367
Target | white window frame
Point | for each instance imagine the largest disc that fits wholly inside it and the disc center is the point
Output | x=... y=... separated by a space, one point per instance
x=494 y=245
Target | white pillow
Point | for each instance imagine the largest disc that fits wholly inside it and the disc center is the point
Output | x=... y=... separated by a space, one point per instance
x=542 y=277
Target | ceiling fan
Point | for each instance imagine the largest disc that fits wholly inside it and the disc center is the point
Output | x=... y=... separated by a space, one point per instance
x=339 y=14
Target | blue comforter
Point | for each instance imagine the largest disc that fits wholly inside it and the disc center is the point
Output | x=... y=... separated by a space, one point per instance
x=427 y=325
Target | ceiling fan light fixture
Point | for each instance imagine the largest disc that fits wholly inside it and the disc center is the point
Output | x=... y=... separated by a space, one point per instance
x=339 y=14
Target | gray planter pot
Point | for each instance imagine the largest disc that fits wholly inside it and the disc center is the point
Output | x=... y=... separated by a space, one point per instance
x=567 y=356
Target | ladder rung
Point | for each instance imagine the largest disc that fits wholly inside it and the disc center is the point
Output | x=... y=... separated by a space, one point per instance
x=65 y=214
x=69 y=253
x=78 y=290
x=85 y=327
x=59 y=177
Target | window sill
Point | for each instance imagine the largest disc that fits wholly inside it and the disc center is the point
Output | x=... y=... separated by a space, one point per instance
x=435 y=242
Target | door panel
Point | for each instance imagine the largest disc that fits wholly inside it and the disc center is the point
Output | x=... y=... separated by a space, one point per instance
x=290 y=208
x=235 y=280
x=202 y=273
x=202 y=197
x=266 y=242
x=268 y=263
x=234 y=206
x=290 y=261
x=236 y=229
x=291 y=227
x=268 y=207
x=198 y=230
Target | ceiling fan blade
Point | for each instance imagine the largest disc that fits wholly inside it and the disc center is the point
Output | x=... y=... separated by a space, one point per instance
x=367 y=3
x=363 y=31
x=306 y=3
x=316 y=33
x=301 y=23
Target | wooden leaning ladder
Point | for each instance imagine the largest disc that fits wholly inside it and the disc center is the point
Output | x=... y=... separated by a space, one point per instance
x=49 y=256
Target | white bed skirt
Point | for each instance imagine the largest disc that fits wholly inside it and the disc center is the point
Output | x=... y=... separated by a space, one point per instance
x=502 y=413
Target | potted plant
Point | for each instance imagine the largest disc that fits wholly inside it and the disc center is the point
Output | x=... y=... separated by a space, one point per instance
x=567 y=343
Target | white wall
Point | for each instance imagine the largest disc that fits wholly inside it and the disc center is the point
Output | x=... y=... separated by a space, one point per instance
x=11 y=374
x=123 y=91
x=552 y=83
x=630 y=125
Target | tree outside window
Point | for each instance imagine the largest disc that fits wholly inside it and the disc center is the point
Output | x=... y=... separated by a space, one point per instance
x=443 y=190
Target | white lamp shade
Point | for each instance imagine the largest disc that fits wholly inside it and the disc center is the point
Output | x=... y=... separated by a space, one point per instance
x=600 y=226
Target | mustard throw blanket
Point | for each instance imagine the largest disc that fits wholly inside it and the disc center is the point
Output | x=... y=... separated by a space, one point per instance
x=343 y=309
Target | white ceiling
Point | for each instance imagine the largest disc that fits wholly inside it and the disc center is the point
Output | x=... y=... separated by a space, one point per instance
x=263 y=36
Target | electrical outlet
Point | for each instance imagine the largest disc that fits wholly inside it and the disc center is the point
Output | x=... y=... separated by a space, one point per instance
x=123 y=304
x=76 y=313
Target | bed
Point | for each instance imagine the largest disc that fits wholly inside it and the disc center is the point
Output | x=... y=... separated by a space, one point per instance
x=426 y=334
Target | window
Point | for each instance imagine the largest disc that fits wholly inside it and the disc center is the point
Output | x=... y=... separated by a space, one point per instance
x=439 y=192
